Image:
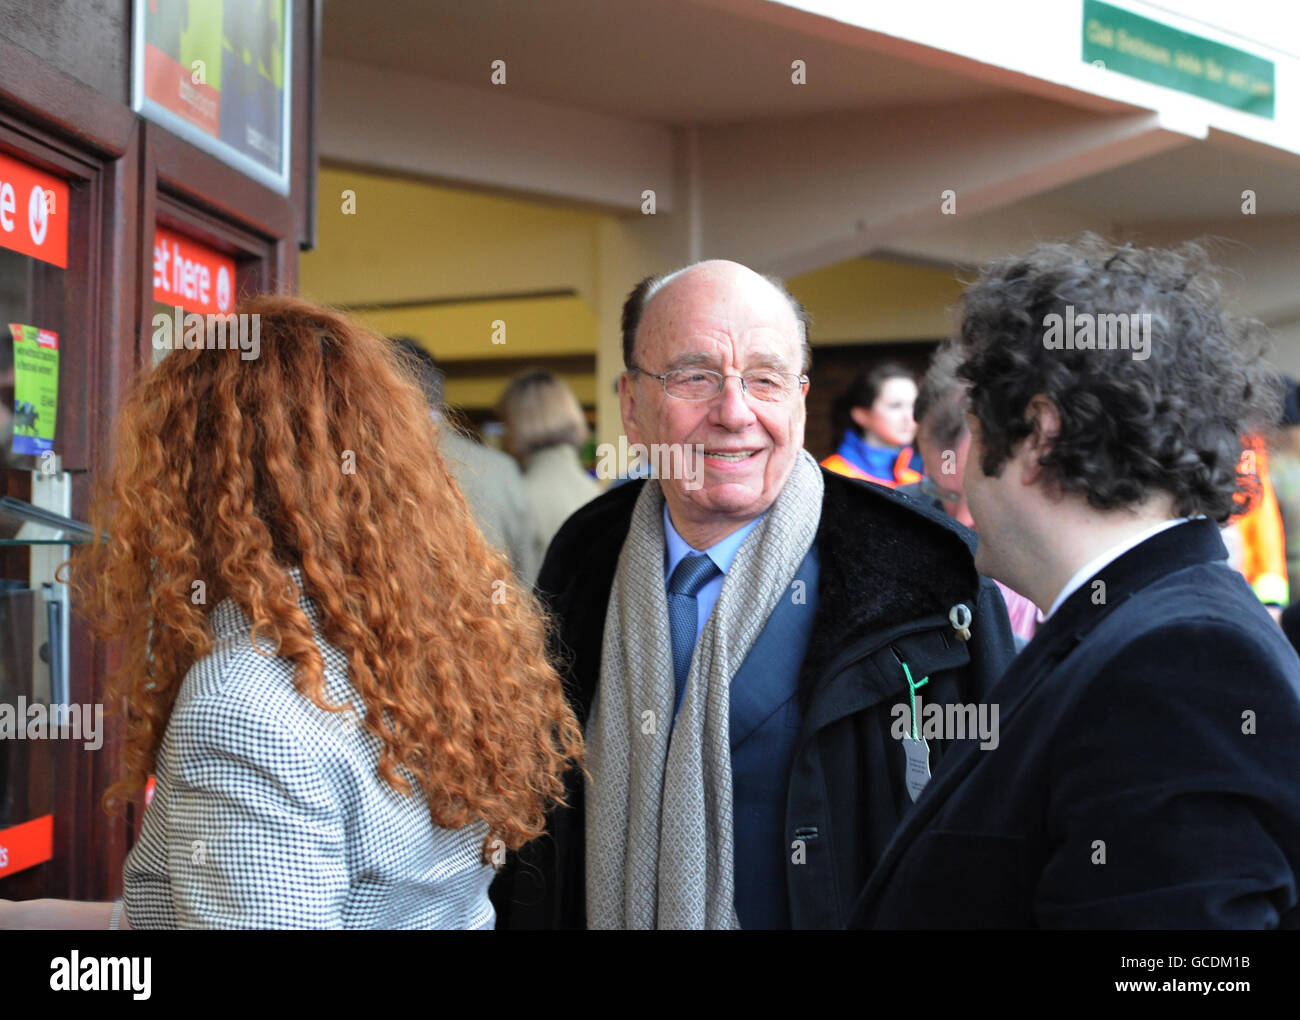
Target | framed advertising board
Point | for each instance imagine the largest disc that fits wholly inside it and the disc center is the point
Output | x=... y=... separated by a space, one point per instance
x=218 y=73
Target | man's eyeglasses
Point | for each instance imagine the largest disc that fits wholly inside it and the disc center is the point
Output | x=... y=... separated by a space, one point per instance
x=934 y=492
x=705 y=384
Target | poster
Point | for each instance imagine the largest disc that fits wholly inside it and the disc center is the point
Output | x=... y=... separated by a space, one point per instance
x=36 y=388
x=217 y=73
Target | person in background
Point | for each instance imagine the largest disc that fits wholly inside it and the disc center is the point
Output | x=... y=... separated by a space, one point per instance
x=1254 y=536
x=545 y=431
x=348 y=723
x=1149 y=746
x=874 y=419
x=943 y=441
x=1284 y=470
x=489 y=479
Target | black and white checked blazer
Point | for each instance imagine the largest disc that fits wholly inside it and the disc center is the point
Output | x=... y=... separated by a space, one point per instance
x=269 y=812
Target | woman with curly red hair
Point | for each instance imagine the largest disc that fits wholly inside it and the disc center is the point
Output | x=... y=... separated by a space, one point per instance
x=343 y=694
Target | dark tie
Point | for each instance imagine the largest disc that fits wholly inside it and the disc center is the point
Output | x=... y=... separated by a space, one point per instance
x=692 y=574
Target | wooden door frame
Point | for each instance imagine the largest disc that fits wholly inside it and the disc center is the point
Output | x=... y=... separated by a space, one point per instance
x=103 y=226
x=127 y=173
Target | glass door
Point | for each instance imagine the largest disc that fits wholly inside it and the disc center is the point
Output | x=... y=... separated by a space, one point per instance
x=34 y=504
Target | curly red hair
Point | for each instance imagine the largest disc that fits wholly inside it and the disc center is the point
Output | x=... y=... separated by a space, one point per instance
x=232 y=471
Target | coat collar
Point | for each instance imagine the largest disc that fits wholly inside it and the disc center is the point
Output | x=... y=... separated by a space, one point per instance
x=1168 y=552
x=1184 y=545
x=887 y=559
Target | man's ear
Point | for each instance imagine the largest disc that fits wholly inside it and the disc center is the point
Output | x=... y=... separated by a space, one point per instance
x=861 y=418
x=627 y=407
x=1046 y=419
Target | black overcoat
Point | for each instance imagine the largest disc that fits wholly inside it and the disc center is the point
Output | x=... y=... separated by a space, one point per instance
x=1147 y=773
x=891 y=571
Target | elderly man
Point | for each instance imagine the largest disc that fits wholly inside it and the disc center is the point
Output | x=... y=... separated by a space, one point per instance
x=1150 y=732
x=736 y=632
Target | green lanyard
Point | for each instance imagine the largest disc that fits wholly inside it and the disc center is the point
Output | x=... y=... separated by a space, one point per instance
x=912 y=688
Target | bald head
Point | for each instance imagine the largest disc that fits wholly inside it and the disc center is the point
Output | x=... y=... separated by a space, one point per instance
x=713 y=282
x=724 y=319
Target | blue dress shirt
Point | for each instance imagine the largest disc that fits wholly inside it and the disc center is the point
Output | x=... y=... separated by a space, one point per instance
x=721 y=553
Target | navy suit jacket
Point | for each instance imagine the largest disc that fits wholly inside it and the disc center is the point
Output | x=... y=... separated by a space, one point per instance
x=1147 y=773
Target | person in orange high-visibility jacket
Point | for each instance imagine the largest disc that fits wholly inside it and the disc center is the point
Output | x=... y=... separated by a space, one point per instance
x=874 y=419
x=1263 y=543
x=902 y=472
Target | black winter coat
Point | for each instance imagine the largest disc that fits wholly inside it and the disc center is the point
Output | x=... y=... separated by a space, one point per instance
x=1147 y=773
x=891 y=570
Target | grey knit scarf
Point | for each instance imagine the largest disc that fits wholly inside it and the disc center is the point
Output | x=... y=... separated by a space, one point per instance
x=659 y=836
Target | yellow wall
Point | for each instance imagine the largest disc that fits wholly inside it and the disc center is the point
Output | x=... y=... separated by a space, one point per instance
x=410 y=240
x=485 y=392
x=862 y=300
x=534 y=326
x=459 y=255
x=446 y=249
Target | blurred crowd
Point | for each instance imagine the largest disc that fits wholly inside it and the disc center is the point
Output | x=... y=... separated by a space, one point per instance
x=1009 y=657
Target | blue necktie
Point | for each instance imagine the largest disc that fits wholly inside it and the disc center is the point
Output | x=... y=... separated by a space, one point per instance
x=692 y=574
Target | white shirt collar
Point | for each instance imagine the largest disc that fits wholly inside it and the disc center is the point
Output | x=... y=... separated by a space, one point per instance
x=1096 y=565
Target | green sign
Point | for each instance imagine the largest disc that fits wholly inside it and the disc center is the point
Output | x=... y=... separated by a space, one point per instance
x=36 y=388
x=1146 y=49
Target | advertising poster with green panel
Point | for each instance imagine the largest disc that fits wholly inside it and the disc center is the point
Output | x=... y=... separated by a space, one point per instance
x=217 y=73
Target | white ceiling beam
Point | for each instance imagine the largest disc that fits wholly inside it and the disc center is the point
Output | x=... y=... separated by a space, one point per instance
x=409 y=124
x=792 y=196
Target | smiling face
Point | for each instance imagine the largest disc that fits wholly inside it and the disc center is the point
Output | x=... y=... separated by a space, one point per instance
x=720 y=316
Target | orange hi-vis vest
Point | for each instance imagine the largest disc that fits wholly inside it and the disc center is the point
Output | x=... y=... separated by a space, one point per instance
x=903 y=474
x=1260 y=526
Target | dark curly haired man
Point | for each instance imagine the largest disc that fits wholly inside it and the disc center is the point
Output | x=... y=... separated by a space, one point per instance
x=1146 y=771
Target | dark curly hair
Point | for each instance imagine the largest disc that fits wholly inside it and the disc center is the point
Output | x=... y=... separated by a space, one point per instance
x=1172 y=419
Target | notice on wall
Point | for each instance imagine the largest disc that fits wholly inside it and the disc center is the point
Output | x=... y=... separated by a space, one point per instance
x=217 y=73
x=36 y=388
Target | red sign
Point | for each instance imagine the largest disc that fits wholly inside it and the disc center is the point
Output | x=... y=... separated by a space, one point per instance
x=27 y=845
x=192 y=275
x=33 y=212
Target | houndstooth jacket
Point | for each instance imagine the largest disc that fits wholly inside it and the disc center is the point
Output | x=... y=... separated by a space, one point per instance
x=269 y=812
